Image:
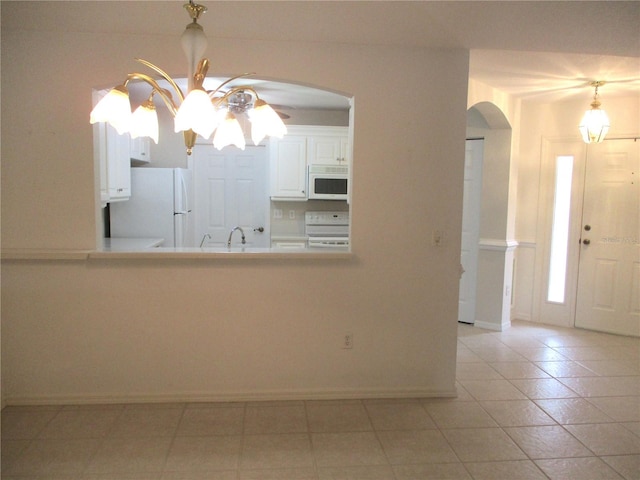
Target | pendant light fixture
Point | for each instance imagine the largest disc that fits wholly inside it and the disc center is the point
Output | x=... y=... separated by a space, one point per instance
x=200 y=112
x=595 y=122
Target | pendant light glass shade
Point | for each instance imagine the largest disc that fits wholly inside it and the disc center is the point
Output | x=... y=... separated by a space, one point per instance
x=265 y=121
x=115 y=109
x=196 y=113
x=594 y=125
x=144 y=122
x=194 y=44
x=595 y=122
x=229 y=132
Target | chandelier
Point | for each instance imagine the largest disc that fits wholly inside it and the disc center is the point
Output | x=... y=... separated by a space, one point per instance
x=595 y=122
x=200 y=112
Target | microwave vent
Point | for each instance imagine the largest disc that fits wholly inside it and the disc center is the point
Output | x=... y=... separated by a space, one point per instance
x=336 y=169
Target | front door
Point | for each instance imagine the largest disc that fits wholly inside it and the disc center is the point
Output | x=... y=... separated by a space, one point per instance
x=608 y=296
x=231 y=191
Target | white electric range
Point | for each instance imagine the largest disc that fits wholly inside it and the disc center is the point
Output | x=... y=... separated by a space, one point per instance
x=327 y=229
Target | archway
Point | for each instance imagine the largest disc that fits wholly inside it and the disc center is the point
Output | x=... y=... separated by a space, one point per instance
x=495 y=218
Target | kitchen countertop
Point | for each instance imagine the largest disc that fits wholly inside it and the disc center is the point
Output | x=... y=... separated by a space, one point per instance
x=223 y=252
x=129 y=244
x=289 y=238
x=150 y=248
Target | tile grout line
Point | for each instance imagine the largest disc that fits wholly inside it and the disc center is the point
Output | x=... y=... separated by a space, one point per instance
x=316 y=470
x=173 y=440
x=375 y=433
x=85 y=470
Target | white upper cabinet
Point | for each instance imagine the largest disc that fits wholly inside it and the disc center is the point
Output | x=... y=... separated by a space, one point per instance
x=328 y=146
x=113 y=152
x=100 y=156
x=289 y=168
x=141 y=149
x=303 y=146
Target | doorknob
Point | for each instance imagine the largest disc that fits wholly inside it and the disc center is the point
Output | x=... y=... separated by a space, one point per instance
x=586 y=241
x=259 y=229
x=587 y=228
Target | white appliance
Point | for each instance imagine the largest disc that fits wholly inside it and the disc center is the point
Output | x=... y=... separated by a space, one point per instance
x=327 y=229
x=328 y=182
x=159 y=207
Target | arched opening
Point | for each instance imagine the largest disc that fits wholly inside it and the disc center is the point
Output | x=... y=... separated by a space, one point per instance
x=158 y=196
x=488 y=220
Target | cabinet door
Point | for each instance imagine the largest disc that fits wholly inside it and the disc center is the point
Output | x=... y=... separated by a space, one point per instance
x=140 y=149
x=345 y=151
x=100 y=156
x=326 y=150
x=118 y=164
x=289 y=168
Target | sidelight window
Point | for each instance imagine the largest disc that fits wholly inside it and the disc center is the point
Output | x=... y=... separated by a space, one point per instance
x=560 y=229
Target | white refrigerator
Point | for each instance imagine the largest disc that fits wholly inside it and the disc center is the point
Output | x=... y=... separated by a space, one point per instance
x=160 y=207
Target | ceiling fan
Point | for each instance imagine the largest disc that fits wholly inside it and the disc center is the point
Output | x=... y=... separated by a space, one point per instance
x=241 y=101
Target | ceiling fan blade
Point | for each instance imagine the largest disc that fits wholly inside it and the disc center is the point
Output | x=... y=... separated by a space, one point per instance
x=277 y=106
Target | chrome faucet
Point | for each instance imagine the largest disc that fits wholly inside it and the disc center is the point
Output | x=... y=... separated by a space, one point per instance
x=204 y=238
x=231 y=234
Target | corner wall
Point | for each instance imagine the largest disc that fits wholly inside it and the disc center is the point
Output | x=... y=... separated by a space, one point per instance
x=498 y=210
x=137 y=330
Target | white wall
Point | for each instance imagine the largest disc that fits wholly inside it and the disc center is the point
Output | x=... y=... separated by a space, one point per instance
x=114 y=330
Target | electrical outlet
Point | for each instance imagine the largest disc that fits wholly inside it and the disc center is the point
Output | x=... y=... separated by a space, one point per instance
x=347 y=341
x=277 y=213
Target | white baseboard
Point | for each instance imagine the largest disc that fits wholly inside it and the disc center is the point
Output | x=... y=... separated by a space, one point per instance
x=524 y=316
x=199 y=397
x=492 y=326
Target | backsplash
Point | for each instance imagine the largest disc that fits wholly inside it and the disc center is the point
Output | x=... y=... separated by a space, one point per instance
x=287 y=218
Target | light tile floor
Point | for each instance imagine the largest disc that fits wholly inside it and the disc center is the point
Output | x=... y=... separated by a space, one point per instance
x=535 y=402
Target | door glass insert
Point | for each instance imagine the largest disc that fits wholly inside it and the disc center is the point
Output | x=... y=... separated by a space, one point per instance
x=560 y=229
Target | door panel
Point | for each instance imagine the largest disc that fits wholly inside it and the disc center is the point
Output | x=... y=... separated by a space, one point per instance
x=470 y=230
x=608 y=279
x=231 y=190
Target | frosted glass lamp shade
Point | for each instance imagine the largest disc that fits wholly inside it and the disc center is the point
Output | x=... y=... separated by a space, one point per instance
x=265 y=121
x=194 y=44
x=115 y=109
x=196 y=113
x=144 y=122
x=594 y=125
x=229 y=132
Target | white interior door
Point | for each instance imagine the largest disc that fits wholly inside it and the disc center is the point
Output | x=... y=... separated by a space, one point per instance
x=470 y=230
x=231 y=191
x=608 y=297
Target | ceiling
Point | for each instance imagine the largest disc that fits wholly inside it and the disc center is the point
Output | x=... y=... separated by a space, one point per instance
x=541 y=77
x=539 y=51
x=592 y=27
x=549 y=77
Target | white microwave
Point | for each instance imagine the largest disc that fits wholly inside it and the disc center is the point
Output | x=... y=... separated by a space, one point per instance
x=328 y=182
